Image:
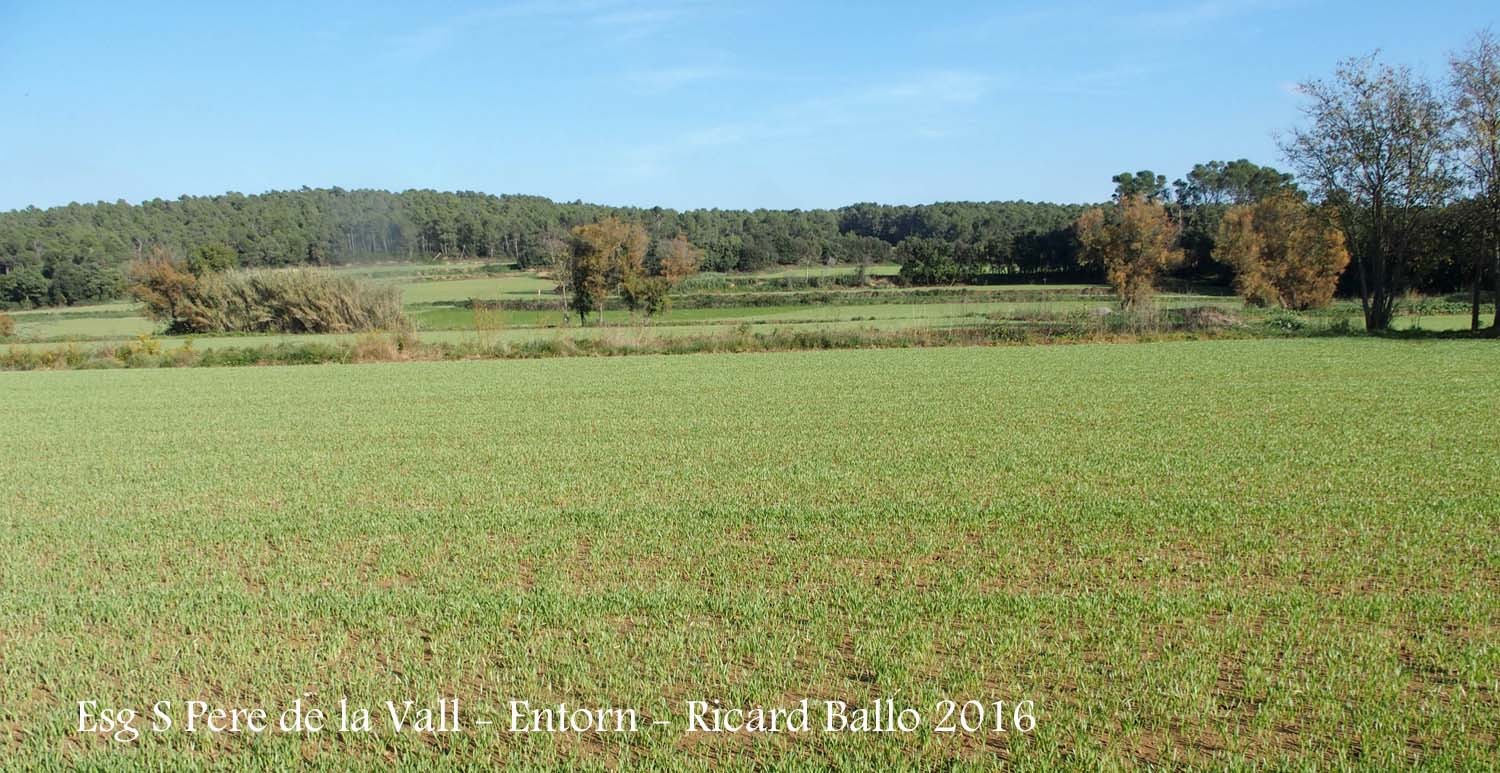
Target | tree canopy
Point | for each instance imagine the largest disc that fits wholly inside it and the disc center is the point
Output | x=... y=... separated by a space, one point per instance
x=1284 y=252
x=1134 y=241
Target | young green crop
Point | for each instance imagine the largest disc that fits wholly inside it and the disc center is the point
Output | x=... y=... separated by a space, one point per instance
x=1199 y=554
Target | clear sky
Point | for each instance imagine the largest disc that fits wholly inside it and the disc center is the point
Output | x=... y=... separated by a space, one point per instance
x=681 y=103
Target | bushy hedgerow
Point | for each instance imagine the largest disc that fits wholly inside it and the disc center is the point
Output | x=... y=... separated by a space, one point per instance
x=265 y=301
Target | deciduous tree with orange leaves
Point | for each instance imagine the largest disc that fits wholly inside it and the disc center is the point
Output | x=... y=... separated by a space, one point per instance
x=1135 y=240
x=1283 y=251
x=679 y=259
x=606 y=255
x=163 y=283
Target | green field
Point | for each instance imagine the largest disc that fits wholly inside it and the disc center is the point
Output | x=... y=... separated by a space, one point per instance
x=1202 y=553
x=436 y=303
x=455 y=318
x=444 y=324
x=403 y=271
x=524 y=285
x=1440 y=322
x=431 y=305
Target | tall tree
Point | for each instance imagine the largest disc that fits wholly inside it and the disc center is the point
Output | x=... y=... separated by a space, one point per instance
x=1145 y=184
x=1230 y=182
x=1134 y=240
x=1475 y=81
x=1208 y=191
x=1375 y=147
x=1284 y=252
x=608 y=254
x=560 y=251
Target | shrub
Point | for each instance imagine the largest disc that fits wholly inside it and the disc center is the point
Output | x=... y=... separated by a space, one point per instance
x=381 y=347
x=1282 y=319
x=164 y=285
x=1205 y=318
x=267 y=301
x=7 y=325
x=1284 y=253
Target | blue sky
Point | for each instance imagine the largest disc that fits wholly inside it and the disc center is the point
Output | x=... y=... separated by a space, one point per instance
x=681 y=103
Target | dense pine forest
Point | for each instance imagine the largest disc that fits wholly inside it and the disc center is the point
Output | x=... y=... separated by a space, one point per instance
x=76 y=253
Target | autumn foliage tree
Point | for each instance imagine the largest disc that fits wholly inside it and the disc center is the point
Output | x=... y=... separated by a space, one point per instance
x=679 y=259
x=1135 y=240
x=609 y=257
x=165 y=286
x=606 y=256
x=1283 y=252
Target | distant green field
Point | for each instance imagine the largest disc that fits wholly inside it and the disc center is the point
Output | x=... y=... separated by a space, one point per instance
x=878 y=269
x=98 y=308
x=58 y=326
x=1439 y=322
x=501 y=286
x=623 y=332
x=450 y=318
x=1187 y=555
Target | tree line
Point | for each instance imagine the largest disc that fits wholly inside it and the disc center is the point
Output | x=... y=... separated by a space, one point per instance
x=1402 y=181
x=78 y=253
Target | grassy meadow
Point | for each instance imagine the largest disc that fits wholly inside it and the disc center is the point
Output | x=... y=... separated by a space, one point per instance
x=437 y=300
x=1277 y=552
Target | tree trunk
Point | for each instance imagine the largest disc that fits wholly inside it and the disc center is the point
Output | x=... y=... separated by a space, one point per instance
x=1477 y=282
x=1379 y=303
x=1361 y=262
x=1495 y=275
x=1474 y=297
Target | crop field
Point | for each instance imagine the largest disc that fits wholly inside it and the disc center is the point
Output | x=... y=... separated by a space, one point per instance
x=453 y=325
x=407 y=271
x=64 y=327
x=439 y=313
x=879 y=269
x=523 y=285
x=456 y=318
x=1197 y=553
